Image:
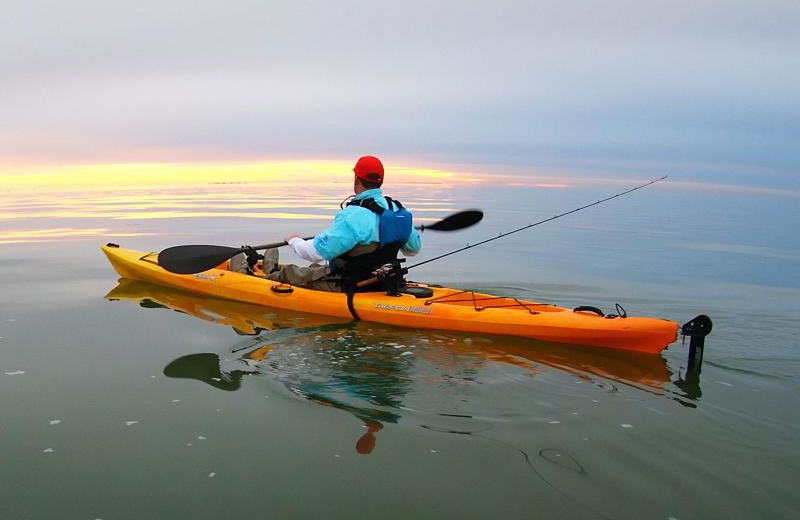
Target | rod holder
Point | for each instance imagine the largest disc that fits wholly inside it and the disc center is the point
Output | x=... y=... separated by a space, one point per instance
x=697 y=329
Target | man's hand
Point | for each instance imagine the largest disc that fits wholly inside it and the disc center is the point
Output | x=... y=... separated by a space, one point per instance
x=289 y=237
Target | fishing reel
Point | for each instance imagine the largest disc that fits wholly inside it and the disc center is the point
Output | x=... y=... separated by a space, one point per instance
x=391 y=276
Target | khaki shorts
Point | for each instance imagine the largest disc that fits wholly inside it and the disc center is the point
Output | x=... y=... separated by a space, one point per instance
x=313 y=276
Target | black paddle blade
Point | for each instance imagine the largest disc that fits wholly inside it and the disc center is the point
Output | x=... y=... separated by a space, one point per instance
x=456 y=221
x=195 y=258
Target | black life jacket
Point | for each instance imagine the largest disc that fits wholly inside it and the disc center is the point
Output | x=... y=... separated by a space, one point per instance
x=395 y=226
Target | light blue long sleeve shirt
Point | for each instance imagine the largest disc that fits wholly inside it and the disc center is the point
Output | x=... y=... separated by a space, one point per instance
x=354 y=226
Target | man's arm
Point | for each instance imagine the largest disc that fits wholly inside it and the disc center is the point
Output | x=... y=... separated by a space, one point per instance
x=342 y=236
x=305 y=249
x=413 y=244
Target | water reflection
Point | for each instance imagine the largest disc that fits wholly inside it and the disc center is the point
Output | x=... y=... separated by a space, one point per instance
x=245 y=319
x=371 y=387
x=65 y=206
x=81 y=202
x=690 y=385
x=62 y=234
x=370 y=370
x=206 y=368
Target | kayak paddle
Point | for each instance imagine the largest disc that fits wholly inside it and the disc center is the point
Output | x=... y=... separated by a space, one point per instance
x=456 y=221
x=193 y=259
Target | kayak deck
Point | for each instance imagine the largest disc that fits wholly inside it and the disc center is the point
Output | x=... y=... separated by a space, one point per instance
x=446 y=309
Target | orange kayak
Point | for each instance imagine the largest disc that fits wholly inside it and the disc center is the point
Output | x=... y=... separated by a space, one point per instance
x=432 y=308
x=252 y=320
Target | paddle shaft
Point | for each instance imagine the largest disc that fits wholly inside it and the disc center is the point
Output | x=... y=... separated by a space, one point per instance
x=272 y=246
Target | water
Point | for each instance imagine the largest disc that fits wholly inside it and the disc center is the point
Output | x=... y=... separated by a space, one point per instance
x=115 y=406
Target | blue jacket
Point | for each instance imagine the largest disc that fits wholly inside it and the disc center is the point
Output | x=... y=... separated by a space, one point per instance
x=354 y=226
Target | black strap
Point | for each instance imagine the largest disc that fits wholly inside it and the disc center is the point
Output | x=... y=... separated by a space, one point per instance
x=391 y=201
x=370 y=204
x=350 y=306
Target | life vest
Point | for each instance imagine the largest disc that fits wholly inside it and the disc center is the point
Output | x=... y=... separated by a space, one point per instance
x=395 y=226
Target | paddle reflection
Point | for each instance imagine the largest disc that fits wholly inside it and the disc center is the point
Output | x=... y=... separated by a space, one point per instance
x=366 y=369
x=340 y=368
x=205 y=368
x=320 y=367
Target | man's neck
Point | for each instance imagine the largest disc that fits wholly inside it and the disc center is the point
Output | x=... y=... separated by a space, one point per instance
x=372 y=192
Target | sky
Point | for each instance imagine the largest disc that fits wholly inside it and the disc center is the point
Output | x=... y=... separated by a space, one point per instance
x=706 y=91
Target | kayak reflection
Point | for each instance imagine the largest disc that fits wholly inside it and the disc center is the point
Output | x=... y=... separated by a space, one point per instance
x=245 y=319
x=366 y=369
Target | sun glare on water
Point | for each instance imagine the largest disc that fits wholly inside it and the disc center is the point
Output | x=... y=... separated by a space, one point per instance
x=142 y=175
x=82 y=202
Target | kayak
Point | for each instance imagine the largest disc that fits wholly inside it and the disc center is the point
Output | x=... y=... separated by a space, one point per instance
x=253 y=321
x=429 y=307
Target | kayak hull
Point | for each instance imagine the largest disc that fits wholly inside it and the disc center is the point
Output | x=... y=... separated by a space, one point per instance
x=447 y=309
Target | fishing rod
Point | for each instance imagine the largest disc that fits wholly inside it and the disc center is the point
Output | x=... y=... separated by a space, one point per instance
x=501 y=235
x=392 y=271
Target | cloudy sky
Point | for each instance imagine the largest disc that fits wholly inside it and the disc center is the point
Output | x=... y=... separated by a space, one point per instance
x=703 y=90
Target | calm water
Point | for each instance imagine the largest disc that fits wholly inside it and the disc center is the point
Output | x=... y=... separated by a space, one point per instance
x=115 y=406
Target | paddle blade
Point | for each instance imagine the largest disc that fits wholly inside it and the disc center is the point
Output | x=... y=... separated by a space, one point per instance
x=195 y=258
x=456 y=221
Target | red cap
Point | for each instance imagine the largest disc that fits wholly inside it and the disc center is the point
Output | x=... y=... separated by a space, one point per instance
x=369 y=169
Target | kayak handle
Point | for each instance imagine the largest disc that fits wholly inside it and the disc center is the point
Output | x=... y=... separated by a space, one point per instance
x=588 y=308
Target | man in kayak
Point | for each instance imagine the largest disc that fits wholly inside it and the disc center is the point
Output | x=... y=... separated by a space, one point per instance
x=367 y=233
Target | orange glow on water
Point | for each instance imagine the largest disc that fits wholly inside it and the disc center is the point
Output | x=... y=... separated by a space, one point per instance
x=308 y=173
x=84 y=202
x=226 y=201
x=25 y=236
